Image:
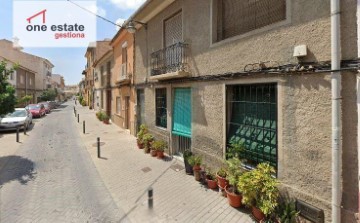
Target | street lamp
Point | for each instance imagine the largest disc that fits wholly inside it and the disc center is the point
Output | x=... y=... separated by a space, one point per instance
x=131 y=26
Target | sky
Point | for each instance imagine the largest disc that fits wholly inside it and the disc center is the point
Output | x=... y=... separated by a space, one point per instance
x=70 y=62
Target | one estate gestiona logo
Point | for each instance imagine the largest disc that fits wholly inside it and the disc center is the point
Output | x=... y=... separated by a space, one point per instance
x=45 y=23
x=60 y=31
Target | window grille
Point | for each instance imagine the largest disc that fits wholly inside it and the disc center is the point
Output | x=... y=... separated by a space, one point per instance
x=161 y=119
x=252 y=120
x=236 y=17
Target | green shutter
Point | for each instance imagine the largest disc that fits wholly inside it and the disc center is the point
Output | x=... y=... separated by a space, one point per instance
x=182 y=112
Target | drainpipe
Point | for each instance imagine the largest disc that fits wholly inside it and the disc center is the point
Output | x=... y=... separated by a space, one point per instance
x=335 y=118
x=358 y=97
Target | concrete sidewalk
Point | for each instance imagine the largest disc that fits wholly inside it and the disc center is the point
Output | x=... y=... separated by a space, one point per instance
x=127 y=173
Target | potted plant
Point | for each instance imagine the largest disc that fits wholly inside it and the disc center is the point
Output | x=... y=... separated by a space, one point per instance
x=235 y=149
x=286 y=212
x=221 y=178
x=188 y=168
x=195 y=162
x=153 y=151
x=211 y=180
x=147 y=140
x=159 y=147
x=259 y=190
x=105 y=118
x=143 y=130
x=234 y=171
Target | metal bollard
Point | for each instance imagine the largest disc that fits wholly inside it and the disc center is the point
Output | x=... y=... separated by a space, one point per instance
x=78 y=118
x=25 y=129
x=17 y=134
x=74 y=110
x=84 y=126
x=75 y=113
x=150 y=198
x=98 y=147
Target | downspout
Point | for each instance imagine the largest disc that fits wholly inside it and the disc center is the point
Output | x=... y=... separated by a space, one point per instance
x=336 y=112
x=358 y=98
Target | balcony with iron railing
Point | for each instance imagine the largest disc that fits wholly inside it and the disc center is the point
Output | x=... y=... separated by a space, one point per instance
x=170 y=62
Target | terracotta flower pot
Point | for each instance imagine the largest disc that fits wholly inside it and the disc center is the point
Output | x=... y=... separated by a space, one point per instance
x=233 y=199
x=197 y=172
x=106 y=122
x=257 y=213
x=212 y=184
x=160 y=154
x=153 y=153
x=222 y=182
x=140 y=145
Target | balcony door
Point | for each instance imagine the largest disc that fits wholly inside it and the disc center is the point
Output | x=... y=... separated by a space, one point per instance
x=172 y=35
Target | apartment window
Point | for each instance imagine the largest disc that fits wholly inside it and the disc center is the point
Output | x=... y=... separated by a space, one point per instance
x=30 y=81
x=160 y=103
x=118 y=105
x=252 y=121
x=11 y=77
x=22 y=79
x=236 y=17
x=173 y=30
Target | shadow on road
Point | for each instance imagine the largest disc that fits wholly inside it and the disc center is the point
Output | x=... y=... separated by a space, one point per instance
x=62 y=106
x=16 y=168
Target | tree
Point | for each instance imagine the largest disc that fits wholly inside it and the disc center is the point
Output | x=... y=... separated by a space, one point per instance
x=7 y=91
x=22 y=102
x=48 y=95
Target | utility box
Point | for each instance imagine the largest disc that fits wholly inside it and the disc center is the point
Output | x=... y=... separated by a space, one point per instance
x=300 y=51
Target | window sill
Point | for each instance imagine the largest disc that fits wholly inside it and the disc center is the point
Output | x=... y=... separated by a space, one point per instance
x=161 y=128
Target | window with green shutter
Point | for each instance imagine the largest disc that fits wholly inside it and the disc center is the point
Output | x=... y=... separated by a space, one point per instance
x=182 y=112
x=252 y=120
x=161 y=110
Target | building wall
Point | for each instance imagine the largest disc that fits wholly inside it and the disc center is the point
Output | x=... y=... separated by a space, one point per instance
x=124 y=89
x=304 y=101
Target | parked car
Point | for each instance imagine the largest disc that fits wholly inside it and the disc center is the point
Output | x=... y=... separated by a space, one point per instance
x=47 y=106
x=53 y=104
x=20 y=118
x=37 y=110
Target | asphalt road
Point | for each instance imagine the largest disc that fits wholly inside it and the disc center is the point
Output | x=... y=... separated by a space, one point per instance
x=51 y=177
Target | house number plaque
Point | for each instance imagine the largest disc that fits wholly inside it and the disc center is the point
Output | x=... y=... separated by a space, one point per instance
x=310 y=212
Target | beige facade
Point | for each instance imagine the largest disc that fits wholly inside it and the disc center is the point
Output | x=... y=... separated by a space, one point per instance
x=93 y=53
x=22 y=79
x=102 y=85
x=122 y=81
x=41 y=66
x=215 y=67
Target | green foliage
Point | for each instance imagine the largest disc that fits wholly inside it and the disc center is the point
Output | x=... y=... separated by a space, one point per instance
x=235 y=149
x=159 y=145
x=143 y=130
x=48 y=95
x=195 y=160
x=147 y=140
x=259 y=188
x=187 y=154
x=22 y=102
x=102 y=116
x=83 y=103
x=222 y=172
x=234 y=171
x=7 y=91
x=286 y=211
x=210 y=174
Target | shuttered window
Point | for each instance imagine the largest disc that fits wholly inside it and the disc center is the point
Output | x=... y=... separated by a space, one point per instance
x=252 y=120
x=236 y=17
x=173 y=30
x=182 y=112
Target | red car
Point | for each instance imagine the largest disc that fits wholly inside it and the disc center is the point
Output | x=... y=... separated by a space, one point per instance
x=47 y=106
x=37 y=110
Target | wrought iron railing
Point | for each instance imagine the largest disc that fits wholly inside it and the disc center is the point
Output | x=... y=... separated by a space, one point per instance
x=170 y=59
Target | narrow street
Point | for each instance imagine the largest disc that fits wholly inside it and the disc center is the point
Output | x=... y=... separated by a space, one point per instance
x=51 y=177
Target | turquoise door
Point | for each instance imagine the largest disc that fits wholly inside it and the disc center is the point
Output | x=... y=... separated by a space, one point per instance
x=182 y=112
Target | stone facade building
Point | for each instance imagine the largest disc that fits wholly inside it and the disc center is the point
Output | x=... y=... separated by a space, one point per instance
x=209 y=73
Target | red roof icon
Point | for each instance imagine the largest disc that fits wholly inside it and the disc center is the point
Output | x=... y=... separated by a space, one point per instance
x=36 y=15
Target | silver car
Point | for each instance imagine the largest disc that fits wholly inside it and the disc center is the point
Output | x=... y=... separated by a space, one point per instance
x=20 y=118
